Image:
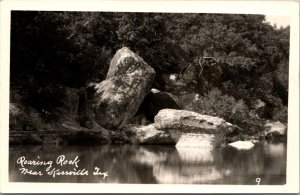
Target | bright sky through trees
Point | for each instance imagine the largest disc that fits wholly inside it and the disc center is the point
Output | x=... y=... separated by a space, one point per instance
x=278 y=20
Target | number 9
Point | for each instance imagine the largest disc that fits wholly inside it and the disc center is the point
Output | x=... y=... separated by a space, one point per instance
x=258 y=180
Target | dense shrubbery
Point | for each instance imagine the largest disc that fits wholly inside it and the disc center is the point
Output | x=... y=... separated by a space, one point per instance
x=224 y=106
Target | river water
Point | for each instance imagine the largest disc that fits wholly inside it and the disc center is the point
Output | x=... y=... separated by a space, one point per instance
x=264 y=164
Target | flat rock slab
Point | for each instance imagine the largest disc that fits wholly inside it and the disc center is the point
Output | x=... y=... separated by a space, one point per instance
x=190 y=122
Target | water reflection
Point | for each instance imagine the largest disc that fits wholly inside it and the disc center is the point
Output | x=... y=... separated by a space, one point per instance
x=161 y=164
x=186 y=174
x=195 y=155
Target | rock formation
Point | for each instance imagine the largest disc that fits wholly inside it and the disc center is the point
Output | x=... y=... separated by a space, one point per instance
x=147 y=135
x=275 y=131
x=188 y=121
x=128 y=81
x=196 y=129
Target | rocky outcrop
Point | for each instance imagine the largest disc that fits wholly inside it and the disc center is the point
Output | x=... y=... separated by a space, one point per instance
x=192 y=129
x=118 y=98
x=188 y=121
x=275 y=131
x=147 y=135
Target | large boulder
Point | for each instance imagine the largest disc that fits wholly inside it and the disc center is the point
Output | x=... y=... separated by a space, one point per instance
x=128 y=81
x=188 y=121
x=191 y=129
x=139 y=134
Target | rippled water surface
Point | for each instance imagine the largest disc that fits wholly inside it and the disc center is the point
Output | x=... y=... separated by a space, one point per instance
x=155 y=164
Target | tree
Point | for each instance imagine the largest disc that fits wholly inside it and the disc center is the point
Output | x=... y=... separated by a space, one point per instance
x=50 y=50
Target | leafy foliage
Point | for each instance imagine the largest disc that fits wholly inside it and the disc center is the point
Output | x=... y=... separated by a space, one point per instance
x=56 y=49
x=224 y=106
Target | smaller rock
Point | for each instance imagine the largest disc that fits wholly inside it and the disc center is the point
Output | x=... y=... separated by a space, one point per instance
x=153 y=90
x=275 y=127
x=147 y=135
x=254 y=141
x=275 y=130
x=242 y=145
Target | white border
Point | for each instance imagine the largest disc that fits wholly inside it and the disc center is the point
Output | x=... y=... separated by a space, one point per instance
x=281 y=8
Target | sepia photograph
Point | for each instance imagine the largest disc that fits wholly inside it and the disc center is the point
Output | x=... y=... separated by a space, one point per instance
x=149 y=97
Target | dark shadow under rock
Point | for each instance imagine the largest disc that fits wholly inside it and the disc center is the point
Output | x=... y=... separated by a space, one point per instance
x=154 y=102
